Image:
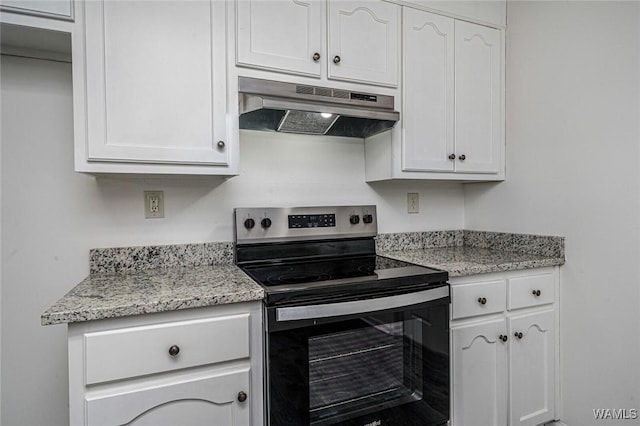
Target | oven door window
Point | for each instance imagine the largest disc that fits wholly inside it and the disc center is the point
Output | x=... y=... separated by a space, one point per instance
x=386 y=369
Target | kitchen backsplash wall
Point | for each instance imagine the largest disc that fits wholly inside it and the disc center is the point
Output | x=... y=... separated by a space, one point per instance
x=52 y=217
x=131 y=259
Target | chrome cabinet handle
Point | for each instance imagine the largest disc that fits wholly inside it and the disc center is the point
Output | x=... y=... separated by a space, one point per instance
x=482 y=300
x=336 y=59
x=221 y=144
x=518 y=334
x=242 y=396
x=174 y=350
x=316 y=57
x=536 y=293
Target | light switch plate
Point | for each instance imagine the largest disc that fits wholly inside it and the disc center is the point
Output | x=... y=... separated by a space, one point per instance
x=153 y=204
x=413 y=202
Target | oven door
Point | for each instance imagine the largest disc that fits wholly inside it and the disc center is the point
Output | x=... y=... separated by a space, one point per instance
x=373 y=362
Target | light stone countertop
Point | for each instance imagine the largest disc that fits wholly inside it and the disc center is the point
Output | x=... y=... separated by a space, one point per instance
x=140 y=280
x=102 y=296
x=463 y=260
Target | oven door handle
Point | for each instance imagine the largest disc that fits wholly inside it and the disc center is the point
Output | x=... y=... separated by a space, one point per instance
x=327 y=310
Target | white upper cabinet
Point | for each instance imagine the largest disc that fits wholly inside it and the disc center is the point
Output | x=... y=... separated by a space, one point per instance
x=155 y=79
x=452 y=120
x=478 y=99
x=355 y=41
x=492 y=12
x=284 y=35
x=427 y=90
x=56 y=9
x=364 y=41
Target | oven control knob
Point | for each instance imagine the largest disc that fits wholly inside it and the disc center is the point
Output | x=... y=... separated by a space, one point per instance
x=367 y=218
x=249 y=223
x=354 y=219
x=266 y=222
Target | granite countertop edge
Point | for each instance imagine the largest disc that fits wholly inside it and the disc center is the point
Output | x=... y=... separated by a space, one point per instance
x=81 y=315
x=470 y=265
x=116 y=295
x=122 y=294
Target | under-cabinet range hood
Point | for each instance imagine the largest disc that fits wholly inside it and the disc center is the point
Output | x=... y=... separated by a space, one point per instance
x=300 y=108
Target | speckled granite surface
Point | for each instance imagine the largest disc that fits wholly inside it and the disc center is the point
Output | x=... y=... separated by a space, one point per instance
x=102 y=296
x=139 y=280
x=120 y=259
x=471 y=252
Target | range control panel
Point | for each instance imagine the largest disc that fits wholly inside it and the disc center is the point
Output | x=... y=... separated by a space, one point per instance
x=270 y=224
x=312 y=220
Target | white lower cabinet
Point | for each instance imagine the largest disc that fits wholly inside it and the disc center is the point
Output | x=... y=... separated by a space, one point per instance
x=479 y=374
x=531 y=368
x=207 y=400
x=504 y=361
x=193 y=367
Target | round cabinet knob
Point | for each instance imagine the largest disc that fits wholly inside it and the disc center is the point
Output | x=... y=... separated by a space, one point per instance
x=518 y=334
x=336 y=59
x=452 y=156
x=354 y=219
x=174 y=350
x=536 y=293
x=266 y=222
x=462 y=157
x=242 y=397
x=316 y=57
x=220 y=144
x=367 y=218
x=503 y=337
x=249 y=223
x=482 y=300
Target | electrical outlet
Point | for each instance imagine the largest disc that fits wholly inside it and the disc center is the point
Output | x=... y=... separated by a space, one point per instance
x=153 y=204
x=413 y=202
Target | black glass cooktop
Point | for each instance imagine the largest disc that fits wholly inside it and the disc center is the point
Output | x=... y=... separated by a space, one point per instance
x=340 y=276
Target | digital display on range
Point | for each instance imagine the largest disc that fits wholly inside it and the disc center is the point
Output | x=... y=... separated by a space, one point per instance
x=312 y=220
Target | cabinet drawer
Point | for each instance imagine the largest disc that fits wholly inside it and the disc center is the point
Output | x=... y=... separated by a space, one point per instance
x=136 y=351
x=478 y=298
x=531 y=291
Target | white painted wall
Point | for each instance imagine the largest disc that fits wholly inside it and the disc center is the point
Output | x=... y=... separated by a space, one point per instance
x=52 y=216
x=573 y=162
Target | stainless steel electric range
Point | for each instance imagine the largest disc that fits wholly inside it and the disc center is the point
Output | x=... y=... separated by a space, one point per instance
x=351 y=338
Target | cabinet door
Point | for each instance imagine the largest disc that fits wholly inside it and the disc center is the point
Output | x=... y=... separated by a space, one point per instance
x=364 y=41
x=427 y=113
x=155 y=81
x=531 y=369
x=205 y=400
x=479 y=374
x=281 y=35
x=59 y=9
x=478 y=98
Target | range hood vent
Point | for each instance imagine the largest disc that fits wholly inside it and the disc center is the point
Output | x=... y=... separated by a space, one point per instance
x=298 y=108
